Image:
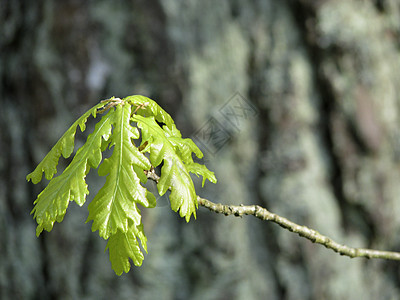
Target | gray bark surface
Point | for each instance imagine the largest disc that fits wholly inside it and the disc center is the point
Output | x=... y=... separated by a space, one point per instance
x=317 y=143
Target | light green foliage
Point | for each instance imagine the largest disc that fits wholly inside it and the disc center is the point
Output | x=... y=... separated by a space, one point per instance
x=114 y=210
x=166 y=145
x=64 y=146
x=114 y=207
x=124 y=245
x=52 y=202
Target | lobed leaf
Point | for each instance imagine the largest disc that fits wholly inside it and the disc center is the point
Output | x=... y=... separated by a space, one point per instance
x=175 y=176
x=115 y=205
x=202 y=170
x=64 y=146
x=123 y=246
x=183 y=147
x=150 y=108
x=114 y=209
x=51 y=204
x=169 y=147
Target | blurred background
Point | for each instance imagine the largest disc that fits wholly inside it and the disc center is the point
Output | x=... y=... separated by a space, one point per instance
x=294 y=103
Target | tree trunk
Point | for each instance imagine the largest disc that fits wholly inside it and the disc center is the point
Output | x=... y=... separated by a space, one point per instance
x=294 y=104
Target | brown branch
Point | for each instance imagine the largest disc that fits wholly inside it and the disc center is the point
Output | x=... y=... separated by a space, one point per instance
x=303 y=231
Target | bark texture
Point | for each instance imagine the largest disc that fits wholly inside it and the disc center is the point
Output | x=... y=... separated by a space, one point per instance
x=310 y=89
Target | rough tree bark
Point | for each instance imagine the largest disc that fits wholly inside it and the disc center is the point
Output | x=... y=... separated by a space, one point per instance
x=319 y=143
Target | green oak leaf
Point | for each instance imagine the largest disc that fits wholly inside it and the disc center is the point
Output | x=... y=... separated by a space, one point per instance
x=123 y=246
x=115 y=205
x=173 y=151
x=114 y=210
x=51 y=204
x=148 y=107
x=64 y=146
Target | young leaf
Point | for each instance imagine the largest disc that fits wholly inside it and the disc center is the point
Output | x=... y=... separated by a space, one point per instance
x=184 y=149
x=148 y=107
x=64 y=146
x=202 y=170
x=174 y=174
x=115 y=205
x=52 y=202
x=123 y=246
x=114 y=209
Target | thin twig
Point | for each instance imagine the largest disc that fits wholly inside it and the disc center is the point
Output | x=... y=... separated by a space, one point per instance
x=303 y=231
